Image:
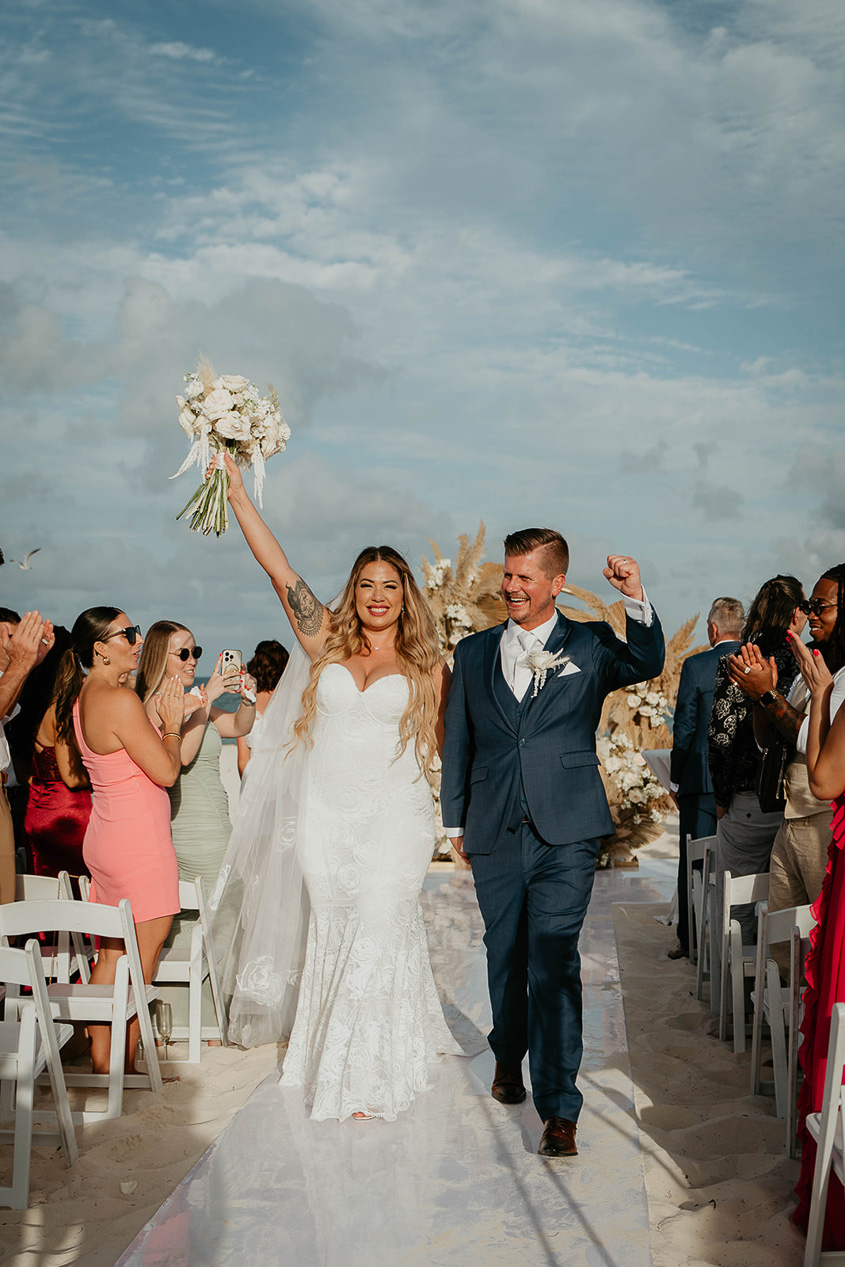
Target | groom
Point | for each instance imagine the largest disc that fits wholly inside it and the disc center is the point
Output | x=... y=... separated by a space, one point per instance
x=522 y=796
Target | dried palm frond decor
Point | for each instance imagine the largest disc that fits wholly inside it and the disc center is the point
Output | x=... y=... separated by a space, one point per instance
x=465 y=597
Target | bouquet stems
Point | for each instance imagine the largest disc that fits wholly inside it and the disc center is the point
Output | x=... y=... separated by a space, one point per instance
x=209 y=504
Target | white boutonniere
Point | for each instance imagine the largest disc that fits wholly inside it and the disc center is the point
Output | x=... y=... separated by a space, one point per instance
x=541 y=663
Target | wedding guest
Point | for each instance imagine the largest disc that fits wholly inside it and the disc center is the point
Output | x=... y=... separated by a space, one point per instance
x=692 y=787
x=745 y=832
x=825 y=967
x=799 y=852
x=199 y=808
x=59 y=801
x=268 y=663
x=23 y=644
x=130 y=763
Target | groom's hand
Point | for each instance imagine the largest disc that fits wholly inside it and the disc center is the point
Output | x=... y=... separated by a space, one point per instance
x=457 y=843
x=623 y=573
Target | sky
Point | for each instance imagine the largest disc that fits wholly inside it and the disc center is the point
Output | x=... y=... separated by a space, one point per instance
x=572 y=263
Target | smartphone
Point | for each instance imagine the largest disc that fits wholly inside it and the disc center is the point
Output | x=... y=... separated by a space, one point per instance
x=231 y=659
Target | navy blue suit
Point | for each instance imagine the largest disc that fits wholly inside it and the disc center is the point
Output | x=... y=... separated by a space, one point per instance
x=689 y=767
x=522 y=778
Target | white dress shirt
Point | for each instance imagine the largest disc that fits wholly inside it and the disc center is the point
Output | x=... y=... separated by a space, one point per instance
x=514 y=657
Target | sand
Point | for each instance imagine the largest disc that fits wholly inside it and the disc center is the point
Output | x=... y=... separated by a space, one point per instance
x=717 y=1176
x=81 y=1215
x=718 y=1179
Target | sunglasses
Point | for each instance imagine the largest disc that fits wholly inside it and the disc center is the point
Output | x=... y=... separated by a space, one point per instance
x=814 y=606
x=185 y=653
x=130 y=633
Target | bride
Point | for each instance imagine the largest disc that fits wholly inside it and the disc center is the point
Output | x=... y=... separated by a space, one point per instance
x=339 y=791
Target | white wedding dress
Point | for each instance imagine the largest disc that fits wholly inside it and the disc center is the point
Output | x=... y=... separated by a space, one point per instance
x=368 y=1019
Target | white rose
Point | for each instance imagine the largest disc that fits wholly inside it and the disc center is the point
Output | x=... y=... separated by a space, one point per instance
x=232 y=382
x=232 y=426
x=194 y=389
x=634 y=701
x=216 y=404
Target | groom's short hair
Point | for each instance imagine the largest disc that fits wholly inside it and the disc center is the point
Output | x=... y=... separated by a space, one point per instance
x=555 y=554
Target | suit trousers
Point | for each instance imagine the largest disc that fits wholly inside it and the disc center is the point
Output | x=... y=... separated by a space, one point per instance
x=533 y=898
x=798 y=864
x=697 y=813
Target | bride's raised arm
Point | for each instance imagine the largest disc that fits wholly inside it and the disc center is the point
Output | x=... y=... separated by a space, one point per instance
x=307 y=615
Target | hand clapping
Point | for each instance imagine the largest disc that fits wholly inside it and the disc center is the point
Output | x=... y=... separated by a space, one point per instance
x=170 y=705
x=751 y=672
x=812 y=665
x=623 y=573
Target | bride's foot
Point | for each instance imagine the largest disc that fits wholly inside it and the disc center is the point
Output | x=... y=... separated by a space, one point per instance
x=364 y=1117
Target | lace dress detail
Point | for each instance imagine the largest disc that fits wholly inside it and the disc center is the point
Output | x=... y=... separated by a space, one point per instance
x=368 y=1019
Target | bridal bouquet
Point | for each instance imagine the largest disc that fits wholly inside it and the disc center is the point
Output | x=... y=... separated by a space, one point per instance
x=225 y=414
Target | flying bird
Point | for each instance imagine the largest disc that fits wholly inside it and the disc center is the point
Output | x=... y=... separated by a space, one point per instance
x=26 y=566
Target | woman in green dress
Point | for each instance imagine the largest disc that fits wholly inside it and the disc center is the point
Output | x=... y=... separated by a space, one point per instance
x=199 y=807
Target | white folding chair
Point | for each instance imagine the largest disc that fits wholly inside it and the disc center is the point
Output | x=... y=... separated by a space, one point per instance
x=59 y=962
x=85 y=1003
x=701 y=907
x=175 y=966
x=696 y=850
x=739 y=960
x=825 y=1127
x=773 y=1001
x=30 y=1046
x=799 y=949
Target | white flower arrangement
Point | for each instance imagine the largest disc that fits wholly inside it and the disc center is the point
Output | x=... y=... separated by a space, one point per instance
x=651 y=705
x=633 y=779
x=226 y=414
x=541 y=663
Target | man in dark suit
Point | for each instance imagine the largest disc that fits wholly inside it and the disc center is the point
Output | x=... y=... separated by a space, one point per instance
x=692 y=788
x=522 y=799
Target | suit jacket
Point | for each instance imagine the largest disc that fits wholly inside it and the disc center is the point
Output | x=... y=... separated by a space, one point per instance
x=538 y=756
x=689 y=766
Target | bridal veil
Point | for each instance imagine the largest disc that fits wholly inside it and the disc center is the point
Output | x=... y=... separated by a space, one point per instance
x=259 y=903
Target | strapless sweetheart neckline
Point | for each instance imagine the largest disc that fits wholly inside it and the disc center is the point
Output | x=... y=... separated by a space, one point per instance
x=385 y=678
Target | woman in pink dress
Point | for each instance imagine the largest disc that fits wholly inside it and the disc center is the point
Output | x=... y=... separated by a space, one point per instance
x=826 y=961
x=130 y=762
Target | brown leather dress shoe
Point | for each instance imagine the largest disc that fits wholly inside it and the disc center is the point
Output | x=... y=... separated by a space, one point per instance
x=558 y=1138
x=508 y=1087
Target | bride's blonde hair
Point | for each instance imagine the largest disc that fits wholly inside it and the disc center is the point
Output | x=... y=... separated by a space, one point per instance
x=417 y=652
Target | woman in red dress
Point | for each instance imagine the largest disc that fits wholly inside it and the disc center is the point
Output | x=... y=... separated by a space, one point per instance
x=826 y=961
x=59 y=802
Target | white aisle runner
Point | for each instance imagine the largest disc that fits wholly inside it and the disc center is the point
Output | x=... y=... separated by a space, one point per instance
x=456 y=1181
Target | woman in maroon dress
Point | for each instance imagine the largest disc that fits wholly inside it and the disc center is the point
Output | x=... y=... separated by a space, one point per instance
x=826 y=960
x=59 y=802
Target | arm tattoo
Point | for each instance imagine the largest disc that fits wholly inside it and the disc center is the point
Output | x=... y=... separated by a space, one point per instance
x=787 y=719
x=306 y=610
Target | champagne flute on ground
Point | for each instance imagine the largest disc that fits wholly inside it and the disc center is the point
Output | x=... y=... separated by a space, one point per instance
x=164 y=1023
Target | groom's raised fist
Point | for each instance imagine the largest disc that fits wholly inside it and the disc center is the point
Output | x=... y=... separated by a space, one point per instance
x=623 y=572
